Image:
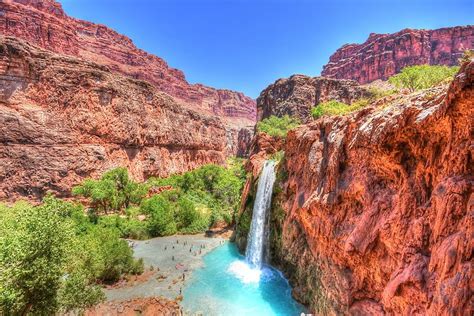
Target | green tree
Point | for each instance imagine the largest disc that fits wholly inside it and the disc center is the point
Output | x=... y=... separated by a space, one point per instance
x=105 y=256
x=423 y=76
x=202 y=197
x=128 y=191
x=38 y=263
x=33 y=246
x=114 y=191
x=161 y=217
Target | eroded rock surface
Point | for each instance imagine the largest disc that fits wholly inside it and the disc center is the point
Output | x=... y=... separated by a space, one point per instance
x=63 y=119
x=384 y=55
x=373 y=211
x=150 y=306
x=295 y=96
x=44 y=23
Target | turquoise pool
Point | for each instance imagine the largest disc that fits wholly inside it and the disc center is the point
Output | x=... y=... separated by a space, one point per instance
x=226 y=285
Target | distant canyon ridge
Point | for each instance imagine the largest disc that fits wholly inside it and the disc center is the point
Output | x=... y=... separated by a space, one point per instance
x=78 y=98
x=384 y=55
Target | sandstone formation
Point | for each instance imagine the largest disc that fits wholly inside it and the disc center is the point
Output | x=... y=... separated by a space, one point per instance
x=295 y=96
x=384 y=55
x=44 y=23
x=63 y=119
x=372 y=212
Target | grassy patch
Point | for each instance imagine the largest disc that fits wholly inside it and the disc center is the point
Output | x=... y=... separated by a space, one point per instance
x=277 y=126
x=333 y=108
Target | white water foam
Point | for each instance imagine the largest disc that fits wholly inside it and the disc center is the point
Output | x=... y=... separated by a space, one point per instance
x=244 y=272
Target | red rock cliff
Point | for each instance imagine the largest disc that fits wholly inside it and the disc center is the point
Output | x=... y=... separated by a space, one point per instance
x=373 y=212
x=295 y=96
x=63 y=119
x=384 y=55
x=44 y=23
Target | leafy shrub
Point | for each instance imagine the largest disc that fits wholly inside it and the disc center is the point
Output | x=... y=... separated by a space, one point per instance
x=378 y=93
x=278 y=156
x=161 y=220
x=423 y=76
x=190 y=217
x=202 y=197
x=277 y=126
x=126 y=227
x=334 y=107
x=33 y=254
x=39 y=269
x=52 y=256
x=108 y=257
x=135 y=229
x=77 y=292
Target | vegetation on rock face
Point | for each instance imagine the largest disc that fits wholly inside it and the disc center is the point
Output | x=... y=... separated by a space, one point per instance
x=334 y=107
x=277 y=126
x=423 y=76
x=467 y=56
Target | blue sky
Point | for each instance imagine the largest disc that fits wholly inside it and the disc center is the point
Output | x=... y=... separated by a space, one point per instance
x=245 y=45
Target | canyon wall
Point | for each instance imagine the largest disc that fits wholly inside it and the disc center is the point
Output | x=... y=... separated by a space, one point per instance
x=63 y=119
x=372 y=212
x=384 y=55
x=295 y=96
x=44 y=23
x=78 y=98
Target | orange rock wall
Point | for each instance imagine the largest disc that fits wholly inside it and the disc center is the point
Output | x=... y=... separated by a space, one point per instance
x=379 y=207
x=44 y=23
x=63 y=119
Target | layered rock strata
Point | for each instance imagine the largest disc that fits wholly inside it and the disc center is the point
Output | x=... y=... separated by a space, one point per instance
x=295 y=96
x=384 y=55
x=45 y=24
x=63 y=119
x=373 y=212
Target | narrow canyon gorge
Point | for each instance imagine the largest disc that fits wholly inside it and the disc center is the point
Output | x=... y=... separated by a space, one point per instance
x=372 y=211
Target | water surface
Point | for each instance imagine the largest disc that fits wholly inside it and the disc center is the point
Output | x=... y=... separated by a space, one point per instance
x=226 y=285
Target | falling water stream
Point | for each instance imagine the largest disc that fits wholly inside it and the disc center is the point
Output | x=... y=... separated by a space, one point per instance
x=259 y=233
x=231 y=284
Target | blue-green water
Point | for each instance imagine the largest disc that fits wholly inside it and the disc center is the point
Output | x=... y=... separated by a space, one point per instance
x=227 y=286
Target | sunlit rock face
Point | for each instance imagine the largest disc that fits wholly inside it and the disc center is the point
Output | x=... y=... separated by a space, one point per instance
x=44 y=23
x=63 y=119
x=384 y=55
x=373 y=210
x=78 y=98
x=296 y=95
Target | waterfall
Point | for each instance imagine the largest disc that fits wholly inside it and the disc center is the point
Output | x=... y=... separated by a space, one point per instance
x=259 y=234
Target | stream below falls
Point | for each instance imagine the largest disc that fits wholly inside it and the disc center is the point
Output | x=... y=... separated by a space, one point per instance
x=227 y=285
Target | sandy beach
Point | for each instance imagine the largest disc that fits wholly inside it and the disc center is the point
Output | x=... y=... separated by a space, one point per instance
x=169 y=262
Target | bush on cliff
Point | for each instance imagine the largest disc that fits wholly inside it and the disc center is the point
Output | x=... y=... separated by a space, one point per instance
x=277 y=126
x=333 y=107
x=423 y=76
